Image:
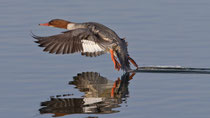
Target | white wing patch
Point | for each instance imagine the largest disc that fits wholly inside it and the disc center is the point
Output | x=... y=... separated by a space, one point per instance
x=90 y=46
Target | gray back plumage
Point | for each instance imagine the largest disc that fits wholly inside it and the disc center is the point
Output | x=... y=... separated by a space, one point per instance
x=121 y=51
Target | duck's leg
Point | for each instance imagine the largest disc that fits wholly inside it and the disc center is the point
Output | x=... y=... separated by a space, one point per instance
x=132 y=61
x=131 y=77
x=114 y=87
x=116 y=63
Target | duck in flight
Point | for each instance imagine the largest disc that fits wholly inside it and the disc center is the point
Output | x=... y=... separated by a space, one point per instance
x=91 y=39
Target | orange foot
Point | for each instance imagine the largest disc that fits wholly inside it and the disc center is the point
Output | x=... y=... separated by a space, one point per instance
x=132 y=61
x=117 y=66
x=114 y=87
x=132 y=75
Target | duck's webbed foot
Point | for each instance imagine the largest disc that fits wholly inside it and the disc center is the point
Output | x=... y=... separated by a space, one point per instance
x=132 y=61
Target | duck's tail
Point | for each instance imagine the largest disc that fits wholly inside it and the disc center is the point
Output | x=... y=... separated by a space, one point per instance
x=122 y=54
x=124 y=61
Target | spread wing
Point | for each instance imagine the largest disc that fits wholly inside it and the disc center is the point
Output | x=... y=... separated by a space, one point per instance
x=78 y=40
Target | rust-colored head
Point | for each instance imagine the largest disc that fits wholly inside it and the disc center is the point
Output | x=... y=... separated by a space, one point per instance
x=59 y=23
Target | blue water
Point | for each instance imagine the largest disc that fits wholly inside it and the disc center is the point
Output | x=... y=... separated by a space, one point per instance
x=158 y=33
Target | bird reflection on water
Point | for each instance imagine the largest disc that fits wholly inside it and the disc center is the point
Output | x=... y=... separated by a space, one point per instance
x=101 y=96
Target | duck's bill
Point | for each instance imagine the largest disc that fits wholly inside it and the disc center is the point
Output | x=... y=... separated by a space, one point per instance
x=44 y=24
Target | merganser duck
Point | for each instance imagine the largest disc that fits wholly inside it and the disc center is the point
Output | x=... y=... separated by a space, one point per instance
x=89 y=38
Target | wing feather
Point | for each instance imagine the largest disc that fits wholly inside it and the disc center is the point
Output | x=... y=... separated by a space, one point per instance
x=49 y=47
x=78 y=40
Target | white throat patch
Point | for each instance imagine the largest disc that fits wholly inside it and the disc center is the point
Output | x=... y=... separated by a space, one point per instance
x=71 y=26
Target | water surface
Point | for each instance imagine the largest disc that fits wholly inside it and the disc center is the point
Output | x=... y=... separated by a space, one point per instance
x=158 y=33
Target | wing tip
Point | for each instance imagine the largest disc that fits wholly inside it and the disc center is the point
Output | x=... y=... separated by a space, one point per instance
x=38 y=38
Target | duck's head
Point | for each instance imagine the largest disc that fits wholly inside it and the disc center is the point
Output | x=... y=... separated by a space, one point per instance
x=59 y=23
